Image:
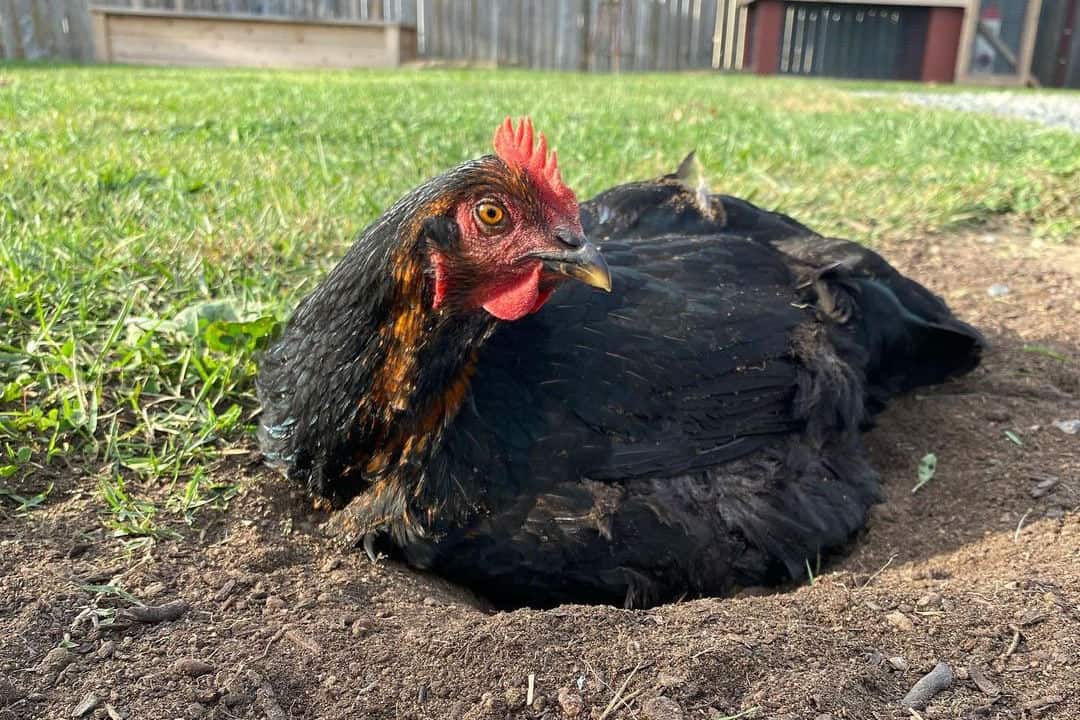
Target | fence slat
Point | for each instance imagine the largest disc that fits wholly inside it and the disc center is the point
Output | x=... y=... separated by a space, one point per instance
x=584 y=35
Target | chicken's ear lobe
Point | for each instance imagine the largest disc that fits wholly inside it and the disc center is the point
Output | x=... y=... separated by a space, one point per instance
x=440 y=232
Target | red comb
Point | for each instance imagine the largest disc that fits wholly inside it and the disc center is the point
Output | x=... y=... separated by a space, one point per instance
x=515 y=148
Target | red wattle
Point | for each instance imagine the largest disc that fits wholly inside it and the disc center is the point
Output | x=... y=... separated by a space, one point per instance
x=517 y=297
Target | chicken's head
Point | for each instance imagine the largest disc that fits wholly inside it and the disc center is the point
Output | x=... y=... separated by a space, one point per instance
x=511 y=232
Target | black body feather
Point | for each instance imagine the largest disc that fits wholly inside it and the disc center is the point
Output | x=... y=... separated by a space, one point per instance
x=695 y=430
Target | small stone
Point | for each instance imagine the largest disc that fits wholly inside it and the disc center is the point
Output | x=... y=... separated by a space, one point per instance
x=207 y=696
x=998 y=290
x=515 y=698
x=430 y=601
x=331 y=564
x=225 y=590
x=233 y=699
x=571 y=703
x=106 y=650
x=1043 y=487
x=900 y=621
x=997 y=414
x=490 y=703
x=86 y=706
x=274 y=603
x=56 y=659
x=192 y=667
x=929 y=600
x=358 y=629
x=195 y=710
x=1069 y=427
x=662 y=708
x=898 y=663
x=928 y=686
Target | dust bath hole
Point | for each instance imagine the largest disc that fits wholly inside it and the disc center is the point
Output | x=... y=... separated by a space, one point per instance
x=514 y=591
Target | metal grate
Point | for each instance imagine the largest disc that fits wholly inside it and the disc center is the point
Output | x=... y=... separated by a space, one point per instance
x=853 y=41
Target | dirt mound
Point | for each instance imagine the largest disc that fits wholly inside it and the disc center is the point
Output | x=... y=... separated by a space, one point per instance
x=257 y=616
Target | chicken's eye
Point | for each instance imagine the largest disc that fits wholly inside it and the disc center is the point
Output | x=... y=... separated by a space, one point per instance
x=490 y=214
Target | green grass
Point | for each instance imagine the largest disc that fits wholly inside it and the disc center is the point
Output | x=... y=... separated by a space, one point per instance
x=156 y=223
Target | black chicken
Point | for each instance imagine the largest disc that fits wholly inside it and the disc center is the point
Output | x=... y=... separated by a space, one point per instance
x=693 y=430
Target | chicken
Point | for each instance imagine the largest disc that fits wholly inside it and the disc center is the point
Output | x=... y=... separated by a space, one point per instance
x=463 y=388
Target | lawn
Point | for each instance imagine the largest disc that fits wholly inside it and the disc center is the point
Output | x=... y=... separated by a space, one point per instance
x=156 y=224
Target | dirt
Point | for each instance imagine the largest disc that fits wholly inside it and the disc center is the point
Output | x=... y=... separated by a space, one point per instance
x=256 y=615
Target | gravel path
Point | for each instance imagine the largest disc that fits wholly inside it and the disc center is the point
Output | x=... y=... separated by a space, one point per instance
x=1061 y=111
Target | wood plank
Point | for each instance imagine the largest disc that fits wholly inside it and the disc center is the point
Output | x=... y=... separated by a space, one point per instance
x=237 y=17
x=1027 y=41
x=200 y=41
x=294 y=31
x=212 y=53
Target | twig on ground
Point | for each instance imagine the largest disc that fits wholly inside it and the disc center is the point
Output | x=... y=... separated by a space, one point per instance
x=615 y=701
x=978 y=676
x=879 y=571
x=1020 y=525
x=1013 y=644
x=273 y=639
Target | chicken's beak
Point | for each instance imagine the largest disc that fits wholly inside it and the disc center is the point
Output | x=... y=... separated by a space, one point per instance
x=584 y=263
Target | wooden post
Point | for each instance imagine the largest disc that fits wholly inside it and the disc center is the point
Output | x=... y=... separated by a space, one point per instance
x=393 y=44
x=943 y=35
x=766 y=30
x=99 y=24
x=1027 y=41
x=730 y=11
x=586 y=40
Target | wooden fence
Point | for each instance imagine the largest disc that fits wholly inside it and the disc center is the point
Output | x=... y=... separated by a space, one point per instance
x=589 y=35
x=45 y=29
